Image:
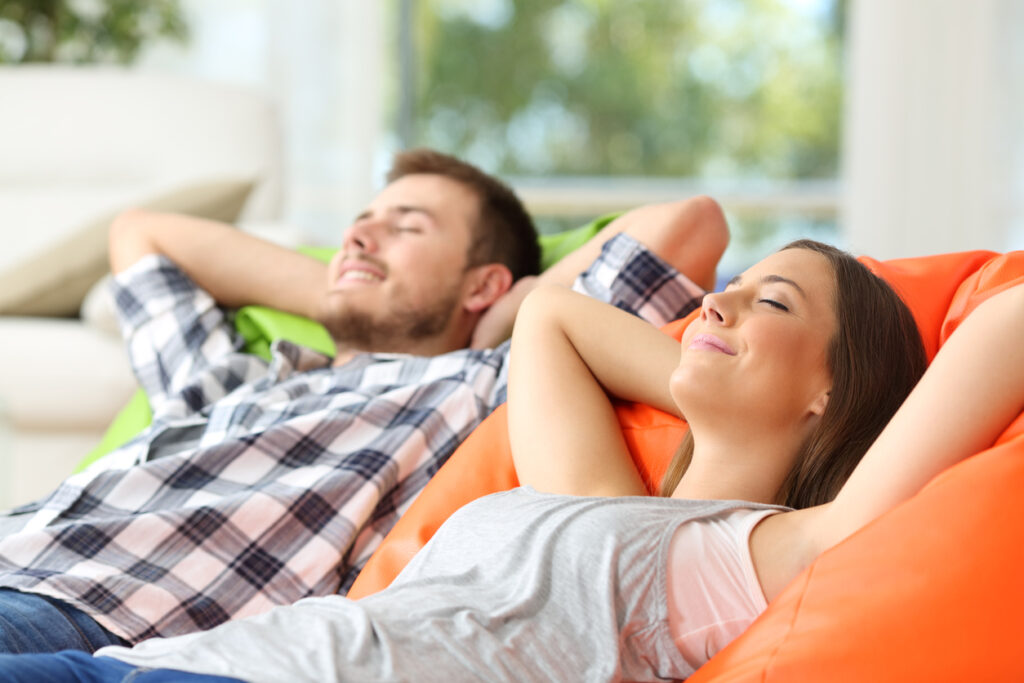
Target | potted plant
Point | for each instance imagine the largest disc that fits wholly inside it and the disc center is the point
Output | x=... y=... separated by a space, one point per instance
x=85 y=31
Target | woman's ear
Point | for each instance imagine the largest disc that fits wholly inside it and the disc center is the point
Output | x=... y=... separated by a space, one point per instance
x=484 y=285
x=820 y=403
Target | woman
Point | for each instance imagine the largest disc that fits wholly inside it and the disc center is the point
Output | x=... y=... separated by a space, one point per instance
x=782 y=379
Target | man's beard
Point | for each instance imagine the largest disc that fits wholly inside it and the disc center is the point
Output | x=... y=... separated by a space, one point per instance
x=393 y=331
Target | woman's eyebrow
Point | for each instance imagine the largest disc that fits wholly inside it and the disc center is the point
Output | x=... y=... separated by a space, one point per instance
x=771 y=279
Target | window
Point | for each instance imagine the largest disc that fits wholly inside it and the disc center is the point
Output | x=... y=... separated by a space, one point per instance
x=589 y=106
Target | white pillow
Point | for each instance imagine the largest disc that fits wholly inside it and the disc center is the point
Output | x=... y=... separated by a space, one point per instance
x=53 y=279
x=98 y=309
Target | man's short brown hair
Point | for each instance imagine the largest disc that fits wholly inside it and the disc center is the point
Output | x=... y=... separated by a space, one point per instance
x=504 y=232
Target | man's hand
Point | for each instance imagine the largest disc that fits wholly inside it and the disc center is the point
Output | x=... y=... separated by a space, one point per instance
x=495 y=325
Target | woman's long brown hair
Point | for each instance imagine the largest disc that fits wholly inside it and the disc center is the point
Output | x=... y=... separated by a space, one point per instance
x=875 y=358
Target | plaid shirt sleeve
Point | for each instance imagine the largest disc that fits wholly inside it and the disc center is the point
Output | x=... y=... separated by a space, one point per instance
x=173 y=329
x=631 y=277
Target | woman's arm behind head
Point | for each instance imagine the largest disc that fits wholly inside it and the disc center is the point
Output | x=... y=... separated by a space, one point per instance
x=976 y=382
x=567 y=351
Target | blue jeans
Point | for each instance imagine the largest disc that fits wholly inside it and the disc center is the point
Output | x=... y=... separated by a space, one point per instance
x=33 y=623
x=78 y=667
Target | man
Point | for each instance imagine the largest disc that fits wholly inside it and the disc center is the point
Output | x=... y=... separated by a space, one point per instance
x=261 y=483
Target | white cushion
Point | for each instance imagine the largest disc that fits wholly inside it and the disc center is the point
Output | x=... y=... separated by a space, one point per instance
x=51 y=259
x=61 y=374
x=96 y=127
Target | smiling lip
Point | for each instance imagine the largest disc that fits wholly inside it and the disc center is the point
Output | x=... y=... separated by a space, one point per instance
x=359 y=271
x=709 y=342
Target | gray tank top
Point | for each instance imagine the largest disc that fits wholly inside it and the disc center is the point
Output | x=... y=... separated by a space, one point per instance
x=517 y=586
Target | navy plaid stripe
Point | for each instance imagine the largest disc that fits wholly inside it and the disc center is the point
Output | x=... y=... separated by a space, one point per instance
x=84 y=540
x=194 y=335
x=306 y=451
x=190 y=477
x=644 y=276
x=233 y=377
x=193 y=397
x=366 y=463
x=36 y=572
x=127 y=303
x=83 y=507
x=202 y=523
x=256 y=566
x=312 y=511
x=204 y=612
x=147 y=571
x=333 y=455
x=102 y=598
x=410 y=416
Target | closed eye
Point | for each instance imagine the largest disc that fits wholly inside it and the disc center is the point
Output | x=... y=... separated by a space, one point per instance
x=775 y=304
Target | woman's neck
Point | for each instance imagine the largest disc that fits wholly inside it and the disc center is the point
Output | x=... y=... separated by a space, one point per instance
x=733 y=468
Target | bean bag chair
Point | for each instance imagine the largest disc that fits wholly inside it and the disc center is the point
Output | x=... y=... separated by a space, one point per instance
x=930 y=591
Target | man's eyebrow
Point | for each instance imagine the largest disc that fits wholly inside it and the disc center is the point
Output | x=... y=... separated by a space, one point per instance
x=402 y=209
x=410 y=208
x=771 y=278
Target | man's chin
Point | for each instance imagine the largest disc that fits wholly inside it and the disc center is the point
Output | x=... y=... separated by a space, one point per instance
x=362 y=323
x=342 y=304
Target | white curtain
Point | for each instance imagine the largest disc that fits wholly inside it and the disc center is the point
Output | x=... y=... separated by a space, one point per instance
x=933 y=150
x=324 y=64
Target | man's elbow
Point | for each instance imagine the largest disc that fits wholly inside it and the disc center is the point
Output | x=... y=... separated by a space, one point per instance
x=707 y=218
x=700 y=225
x=694 y=238
x=127 y=239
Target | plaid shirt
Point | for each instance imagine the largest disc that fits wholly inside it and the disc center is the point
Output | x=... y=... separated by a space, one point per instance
x=260 y=483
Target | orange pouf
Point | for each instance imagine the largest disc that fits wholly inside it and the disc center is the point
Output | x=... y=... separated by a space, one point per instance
x=929 y=591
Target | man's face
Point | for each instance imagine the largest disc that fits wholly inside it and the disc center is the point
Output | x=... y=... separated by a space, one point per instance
x=398 y=277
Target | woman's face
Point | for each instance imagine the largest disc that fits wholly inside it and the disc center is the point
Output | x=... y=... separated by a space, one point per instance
x=758 y=351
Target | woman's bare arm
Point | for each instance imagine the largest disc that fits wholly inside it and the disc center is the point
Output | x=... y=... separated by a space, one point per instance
x=567 y=351
x=971 y=392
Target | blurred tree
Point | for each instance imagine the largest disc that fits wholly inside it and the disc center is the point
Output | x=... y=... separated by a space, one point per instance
x=85 y=31
x=723 y=89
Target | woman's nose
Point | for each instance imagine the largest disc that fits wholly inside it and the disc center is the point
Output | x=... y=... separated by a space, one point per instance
x=713 y=309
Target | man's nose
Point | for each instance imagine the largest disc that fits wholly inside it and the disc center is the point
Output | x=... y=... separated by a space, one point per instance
x=362 y=236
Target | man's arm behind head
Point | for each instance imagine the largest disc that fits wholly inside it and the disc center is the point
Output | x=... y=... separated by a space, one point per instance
x=236 y=268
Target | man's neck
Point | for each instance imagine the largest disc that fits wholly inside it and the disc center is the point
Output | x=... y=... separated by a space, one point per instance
x=435 y=346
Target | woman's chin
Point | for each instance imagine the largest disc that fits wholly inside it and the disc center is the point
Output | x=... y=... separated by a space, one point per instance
x=689 y=387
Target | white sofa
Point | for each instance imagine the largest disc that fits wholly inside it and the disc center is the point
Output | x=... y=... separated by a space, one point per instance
x=79 y=145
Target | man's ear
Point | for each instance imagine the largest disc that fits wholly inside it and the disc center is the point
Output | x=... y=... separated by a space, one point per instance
x=484 y=285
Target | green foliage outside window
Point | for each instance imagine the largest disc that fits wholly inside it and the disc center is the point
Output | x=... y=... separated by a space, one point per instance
x=722 y=93
x=691 y=88
x=85 y=31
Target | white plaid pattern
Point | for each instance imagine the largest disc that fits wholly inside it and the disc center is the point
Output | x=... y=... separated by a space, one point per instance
x=262 y=483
